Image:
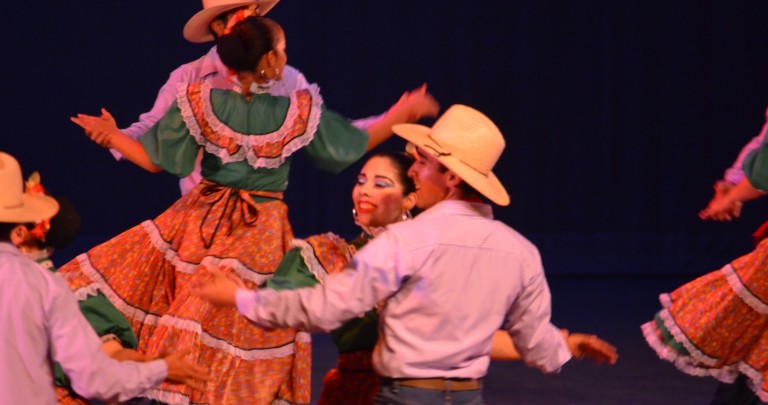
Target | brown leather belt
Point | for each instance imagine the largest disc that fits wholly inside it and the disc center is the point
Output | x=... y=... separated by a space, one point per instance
x=438 y=384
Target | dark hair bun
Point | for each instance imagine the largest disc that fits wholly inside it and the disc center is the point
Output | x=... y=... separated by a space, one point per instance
x=65 y=225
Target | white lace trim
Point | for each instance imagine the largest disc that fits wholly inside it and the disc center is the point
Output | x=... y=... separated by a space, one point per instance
x=308 y=255
x=167 y=397
x=726 y=374
x=176 y=398
x=742 y=291
x=209 y=261
x=310 y=259
x=99 y=284
x=245 y=141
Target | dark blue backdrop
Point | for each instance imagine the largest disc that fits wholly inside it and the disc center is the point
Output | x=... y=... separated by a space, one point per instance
x=619 y=115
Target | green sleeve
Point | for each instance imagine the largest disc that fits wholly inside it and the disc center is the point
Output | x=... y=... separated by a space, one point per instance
x=292 y=273
x=170 y=145
x=106 y=319
x=337 y=143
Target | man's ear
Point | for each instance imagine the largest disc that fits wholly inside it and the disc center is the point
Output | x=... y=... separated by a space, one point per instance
x=19 y=235
x=452 y=179
x=217 y=27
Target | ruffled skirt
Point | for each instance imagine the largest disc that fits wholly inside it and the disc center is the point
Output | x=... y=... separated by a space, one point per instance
x=717 y=325
x=147 y=271
x=353 y=382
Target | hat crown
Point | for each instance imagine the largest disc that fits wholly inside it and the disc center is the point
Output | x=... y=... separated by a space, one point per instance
x=470 y=136
x=218 y=3
x=11 y=182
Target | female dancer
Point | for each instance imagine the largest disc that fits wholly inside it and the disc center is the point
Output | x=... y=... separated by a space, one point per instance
x=235 y=217
x=717 y=325
x=382 y=195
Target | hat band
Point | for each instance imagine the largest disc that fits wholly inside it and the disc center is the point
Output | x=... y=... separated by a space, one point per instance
x=439 y=153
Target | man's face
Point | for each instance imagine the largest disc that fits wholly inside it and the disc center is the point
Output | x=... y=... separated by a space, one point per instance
x=430 y=179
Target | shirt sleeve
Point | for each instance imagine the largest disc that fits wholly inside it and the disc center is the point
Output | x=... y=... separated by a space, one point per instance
x=170 y=145
x=76 y=347
x=337 y=143
x=539 y=342
x=341 y=297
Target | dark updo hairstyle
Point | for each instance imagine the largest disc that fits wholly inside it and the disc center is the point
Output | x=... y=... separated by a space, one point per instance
x=249 y=40
x=402 y=162
x=65 y=225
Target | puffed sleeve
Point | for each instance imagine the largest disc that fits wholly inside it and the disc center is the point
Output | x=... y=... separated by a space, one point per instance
x=337 y=143
x=756 y=167
x=170 y=145
x=292 y=273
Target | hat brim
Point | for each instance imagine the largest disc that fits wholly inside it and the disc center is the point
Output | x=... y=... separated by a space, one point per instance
x=486 y=184
x=196 y=30
x=33 y=208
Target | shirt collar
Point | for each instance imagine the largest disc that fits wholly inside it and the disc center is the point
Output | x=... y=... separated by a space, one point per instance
x=459 y=207
x=7 y=247
x=212 y=65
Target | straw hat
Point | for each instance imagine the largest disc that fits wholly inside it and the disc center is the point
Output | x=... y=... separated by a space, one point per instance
x=196 y=30
x=16 y=207
x=467 y=143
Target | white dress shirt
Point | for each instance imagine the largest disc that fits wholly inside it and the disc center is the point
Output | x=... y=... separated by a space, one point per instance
x=447 y=280
x=41 y=323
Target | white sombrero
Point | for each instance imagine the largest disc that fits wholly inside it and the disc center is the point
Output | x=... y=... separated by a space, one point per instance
x=16 y=207
x=196 y=30
x=466 y=142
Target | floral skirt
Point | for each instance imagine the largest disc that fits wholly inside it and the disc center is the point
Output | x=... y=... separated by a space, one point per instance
x=717 y=325
x=353 y=383
x=147 y=271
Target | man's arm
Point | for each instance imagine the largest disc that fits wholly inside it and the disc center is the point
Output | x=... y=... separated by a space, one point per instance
x=370 y=278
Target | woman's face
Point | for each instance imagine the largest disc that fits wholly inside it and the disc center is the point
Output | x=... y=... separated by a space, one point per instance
x=378 y=193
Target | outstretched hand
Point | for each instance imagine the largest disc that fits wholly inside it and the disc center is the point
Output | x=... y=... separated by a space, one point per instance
x=220 y=288
x=592 y=347
x=721 y=207
x=417 y=104
x=184 y=372
x=99 y=129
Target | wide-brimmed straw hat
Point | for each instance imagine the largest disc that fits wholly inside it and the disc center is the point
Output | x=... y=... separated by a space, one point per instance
x=16 y=207
x=466 y=142
x=196 y=30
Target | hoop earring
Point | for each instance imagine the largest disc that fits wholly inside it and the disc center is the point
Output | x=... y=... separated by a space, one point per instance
x=270 y=81
x=407 y=215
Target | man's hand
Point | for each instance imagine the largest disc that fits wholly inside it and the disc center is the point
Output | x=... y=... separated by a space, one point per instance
x=220 y=288
x=591 y=347
x=184 y=372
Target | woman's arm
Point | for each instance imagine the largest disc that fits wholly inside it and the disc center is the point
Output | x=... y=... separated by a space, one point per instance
x=412 y=106
x=103 y=130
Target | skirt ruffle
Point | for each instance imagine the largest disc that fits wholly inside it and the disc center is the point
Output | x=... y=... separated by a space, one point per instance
x=147 y=272
x=717 y=325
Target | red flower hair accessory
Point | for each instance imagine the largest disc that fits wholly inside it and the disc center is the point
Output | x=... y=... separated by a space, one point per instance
x=240 y=15
x=33 y=186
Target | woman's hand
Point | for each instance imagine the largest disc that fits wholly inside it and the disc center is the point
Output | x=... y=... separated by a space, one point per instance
x=416 y=104
x=100 y=129
x=220 y=288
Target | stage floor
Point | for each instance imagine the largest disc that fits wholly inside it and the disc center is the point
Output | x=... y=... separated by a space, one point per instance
x=612 y=308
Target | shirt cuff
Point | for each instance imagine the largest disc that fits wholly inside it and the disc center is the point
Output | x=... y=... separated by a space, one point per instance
x=245 y=300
